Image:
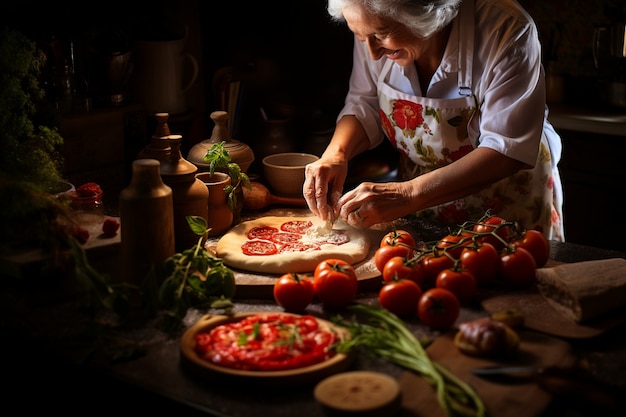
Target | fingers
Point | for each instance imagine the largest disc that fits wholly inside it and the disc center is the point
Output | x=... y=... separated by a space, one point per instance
x=315 y=191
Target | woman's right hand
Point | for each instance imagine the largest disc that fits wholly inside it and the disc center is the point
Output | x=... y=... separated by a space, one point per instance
x=323 y=184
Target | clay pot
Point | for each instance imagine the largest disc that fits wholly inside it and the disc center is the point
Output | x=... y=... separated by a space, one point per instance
x=220 y=217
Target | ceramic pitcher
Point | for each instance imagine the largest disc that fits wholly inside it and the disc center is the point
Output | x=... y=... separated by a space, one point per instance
x=164 y=71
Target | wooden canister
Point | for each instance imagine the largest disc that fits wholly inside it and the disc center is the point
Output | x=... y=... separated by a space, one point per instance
x=147 y=222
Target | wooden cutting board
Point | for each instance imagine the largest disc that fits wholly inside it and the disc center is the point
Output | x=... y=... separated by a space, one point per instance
x=523 y=398
x=251 y=285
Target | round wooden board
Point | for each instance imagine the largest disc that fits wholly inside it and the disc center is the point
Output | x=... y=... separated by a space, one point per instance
x=308 y=374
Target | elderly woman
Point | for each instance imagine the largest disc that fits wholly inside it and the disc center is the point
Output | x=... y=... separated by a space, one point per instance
x=457 y=86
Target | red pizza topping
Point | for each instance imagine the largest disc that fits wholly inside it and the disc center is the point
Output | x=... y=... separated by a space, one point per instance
x=268 y=240
x=262 y=232
x=298 y=247
x=296 y=226
x=259 y=247
x=267 y=342
x=285 y=237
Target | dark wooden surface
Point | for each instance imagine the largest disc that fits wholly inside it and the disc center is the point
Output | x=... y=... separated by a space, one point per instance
x=53 y=357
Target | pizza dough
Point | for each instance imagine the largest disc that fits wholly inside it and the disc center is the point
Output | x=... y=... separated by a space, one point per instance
x=314 y=244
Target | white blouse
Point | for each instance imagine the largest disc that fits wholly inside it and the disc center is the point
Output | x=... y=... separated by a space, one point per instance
x=507 y=77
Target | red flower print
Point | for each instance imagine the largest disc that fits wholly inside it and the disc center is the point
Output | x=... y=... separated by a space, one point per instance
x=461 y=152
x=387 y=127
x=408 y=116
x=451 y=214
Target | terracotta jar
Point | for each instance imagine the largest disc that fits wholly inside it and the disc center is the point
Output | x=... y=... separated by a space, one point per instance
x=159 y=146
x=220 y=217
x=147 y=222
x=190 y=194
x=239 y=152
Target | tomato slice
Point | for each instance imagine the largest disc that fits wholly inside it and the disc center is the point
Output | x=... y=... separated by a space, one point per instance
x=296 y=226
x=259 y=248
x=285 y=237
x=261 y=232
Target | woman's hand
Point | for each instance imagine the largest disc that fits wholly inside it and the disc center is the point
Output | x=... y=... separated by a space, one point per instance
x=323 y=183
x=372 y=203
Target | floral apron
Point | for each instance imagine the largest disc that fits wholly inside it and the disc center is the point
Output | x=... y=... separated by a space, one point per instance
x=430 y=133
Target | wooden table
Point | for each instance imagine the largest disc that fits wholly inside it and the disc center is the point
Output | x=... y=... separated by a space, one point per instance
x=54 y=360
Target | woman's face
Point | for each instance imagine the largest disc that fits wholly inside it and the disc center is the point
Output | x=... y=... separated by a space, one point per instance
x=385 y=37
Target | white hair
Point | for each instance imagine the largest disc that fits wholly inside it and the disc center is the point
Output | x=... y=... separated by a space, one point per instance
x=422 y=17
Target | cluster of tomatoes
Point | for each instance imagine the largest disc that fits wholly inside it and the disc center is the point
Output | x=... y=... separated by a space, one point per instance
x=431 y=280
x=334 y=283
x=435 y=279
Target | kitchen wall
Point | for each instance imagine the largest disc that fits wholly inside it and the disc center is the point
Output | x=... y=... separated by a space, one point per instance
x=566 y=29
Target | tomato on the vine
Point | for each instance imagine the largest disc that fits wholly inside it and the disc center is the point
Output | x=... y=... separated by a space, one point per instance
x=385 y=253
x=493 y=225
x=335 y=283
x=482 y=261
x=400 y=297
x=432 y=265
x=454 y=244
x=536 y=243
x=459 y=281
x=398 y=237
x=294 y=292
x=438 y=308
x=400 y=267
x=517 y=267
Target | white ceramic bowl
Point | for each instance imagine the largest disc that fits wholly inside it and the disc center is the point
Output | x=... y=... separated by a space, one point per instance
x=284 y=172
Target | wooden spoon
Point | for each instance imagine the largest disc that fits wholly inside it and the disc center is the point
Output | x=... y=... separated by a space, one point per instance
x=259 y=197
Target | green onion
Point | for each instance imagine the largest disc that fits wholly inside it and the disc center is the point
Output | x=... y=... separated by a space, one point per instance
x=387 y=337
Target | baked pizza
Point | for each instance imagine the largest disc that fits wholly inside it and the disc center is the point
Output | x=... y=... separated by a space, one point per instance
x=268 y=342
x=279 y=245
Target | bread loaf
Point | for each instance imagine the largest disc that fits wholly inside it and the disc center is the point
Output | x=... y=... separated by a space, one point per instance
x=582 y=291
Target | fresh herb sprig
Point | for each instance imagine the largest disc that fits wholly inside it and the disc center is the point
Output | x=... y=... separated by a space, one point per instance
x=387 y=337
x=195 y=277
x=219 y=159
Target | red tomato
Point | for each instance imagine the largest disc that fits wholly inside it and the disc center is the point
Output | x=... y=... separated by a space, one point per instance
x=335 y=283
x=400 y=267
x=454 y=244
x=535 y=243
x=432 y=265
x=294 y=292
x=458 y=281
x=400 y=297
x=396 y=237
x=438 y=308
x=384 y=253
x=517 y=267
x=492 y=226
x=482 y=261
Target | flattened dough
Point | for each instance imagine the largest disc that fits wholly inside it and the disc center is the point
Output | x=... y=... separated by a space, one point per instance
x=229 y=248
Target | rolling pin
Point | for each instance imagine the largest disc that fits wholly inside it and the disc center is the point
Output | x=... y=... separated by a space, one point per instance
x=259 y=197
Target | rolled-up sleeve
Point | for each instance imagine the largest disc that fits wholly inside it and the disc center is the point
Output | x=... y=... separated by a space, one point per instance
x=511 y=89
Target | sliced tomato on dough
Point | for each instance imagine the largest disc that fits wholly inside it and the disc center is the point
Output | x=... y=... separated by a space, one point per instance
x=285 y=237
x=259 y=247
x=298 y=247
x=296 y=226
x=261 y=232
